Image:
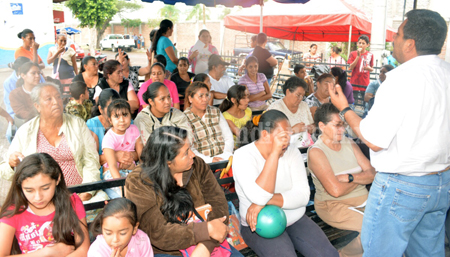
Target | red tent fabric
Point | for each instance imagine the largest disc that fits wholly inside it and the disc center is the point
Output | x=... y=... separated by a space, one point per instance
x=317 y=20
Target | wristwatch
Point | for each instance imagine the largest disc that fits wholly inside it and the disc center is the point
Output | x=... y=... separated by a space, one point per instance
x=342 y=113
x=350 y=178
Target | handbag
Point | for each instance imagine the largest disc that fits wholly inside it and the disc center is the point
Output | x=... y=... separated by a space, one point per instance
x=56 y=74
x=223 y=250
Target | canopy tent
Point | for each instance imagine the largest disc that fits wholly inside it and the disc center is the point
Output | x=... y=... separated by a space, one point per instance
x=317 y=20
x=70 y=31
x=227 y=3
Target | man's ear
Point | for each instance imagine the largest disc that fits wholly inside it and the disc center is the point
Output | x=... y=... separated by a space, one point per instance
x=409 y=46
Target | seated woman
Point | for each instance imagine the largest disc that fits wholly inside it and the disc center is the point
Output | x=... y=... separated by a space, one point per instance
x=294 y=108
x=236 y=111
x=64 y=137
x=213 y=140
x=340 y=77
x=29 y=48
x=41 y=213
x=268 y=172
x=158 y=113
x=257 y=85
x=182 y=78
x=201 y=77
x=20 y=98
x=169 y=184
x=322 y=95
x=113 y=78
x=89 y=75
x=340 y=172
x=157 y=72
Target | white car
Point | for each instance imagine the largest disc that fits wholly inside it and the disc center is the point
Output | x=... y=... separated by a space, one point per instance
x=115 y=41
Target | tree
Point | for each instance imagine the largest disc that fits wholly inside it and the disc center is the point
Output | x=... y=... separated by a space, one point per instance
x=225 y=12
x=169 y=12
x=199 y=12
x=131 y=23
x=97 y=14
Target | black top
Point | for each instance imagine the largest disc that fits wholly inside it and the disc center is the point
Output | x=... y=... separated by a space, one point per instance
x=264 y=66
x=181 y=83
x=79 y=77
x=123 y=91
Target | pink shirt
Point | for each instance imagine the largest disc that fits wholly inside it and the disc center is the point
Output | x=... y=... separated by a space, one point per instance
x=139 y=246
x=125 y=142
x=254 y=88
x=169 y=84
x=34 y=232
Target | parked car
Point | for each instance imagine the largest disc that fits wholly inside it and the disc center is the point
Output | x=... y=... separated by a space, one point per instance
x=115 y=41
x=276 y=48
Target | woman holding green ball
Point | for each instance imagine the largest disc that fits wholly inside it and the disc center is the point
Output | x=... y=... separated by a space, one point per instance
x=269 y=172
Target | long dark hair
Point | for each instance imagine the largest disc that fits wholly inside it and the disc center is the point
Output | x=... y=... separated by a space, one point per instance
x=237 y=92
x=65 y=221
x=342 y=76
x=267 y=121
x=119 y=207
x=152 y=92
x=163 y=27
x=24 y=69
x=164 y=145
x=85 y=61
x=106 y=95
x=201 y=77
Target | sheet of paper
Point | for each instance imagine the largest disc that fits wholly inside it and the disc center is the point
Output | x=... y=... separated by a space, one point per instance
x=199 y=46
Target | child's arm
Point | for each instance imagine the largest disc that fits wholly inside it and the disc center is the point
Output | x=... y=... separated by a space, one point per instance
x=7 y=236
x=84 y=247
x=139 y=146
x=112 y=162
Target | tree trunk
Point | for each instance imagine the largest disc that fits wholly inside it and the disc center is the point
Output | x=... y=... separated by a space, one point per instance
x=92 y=39
x=100 y=30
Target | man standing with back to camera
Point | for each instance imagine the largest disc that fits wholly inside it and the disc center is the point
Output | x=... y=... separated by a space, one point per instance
x=408 y=131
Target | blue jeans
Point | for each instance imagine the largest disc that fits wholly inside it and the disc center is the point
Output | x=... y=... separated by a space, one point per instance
x=234 y=253
x=406 y=214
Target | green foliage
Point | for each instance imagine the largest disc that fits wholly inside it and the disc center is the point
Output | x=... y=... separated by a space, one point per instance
x=197 y=13
x=131 y=23
x=92 y=13
x=153 y=23
x=169 y=12
x=225 y=12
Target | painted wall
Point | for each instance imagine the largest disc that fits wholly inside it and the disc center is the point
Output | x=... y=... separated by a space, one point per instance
x=35 y=15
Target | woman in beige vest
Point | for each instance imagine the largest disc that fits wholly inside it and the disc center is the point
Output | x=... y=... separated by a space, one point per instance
x=340 y=172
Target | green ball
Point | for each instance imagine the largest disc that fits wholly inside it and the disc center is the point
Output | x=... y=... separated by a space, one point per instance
x=271 y=222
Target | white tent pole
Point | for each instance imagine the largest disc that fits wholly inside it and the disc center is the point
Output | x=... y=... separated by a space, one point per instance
x=349 y=40
x=261 y=17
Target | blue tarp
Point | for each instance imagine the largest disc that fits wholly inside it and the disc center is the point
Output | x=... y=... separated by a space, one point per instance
x=70 y=31
x=227 y=3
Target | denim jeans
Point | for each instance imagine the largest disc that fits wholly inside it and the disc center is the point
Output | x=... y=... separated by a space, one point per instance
x=406 y=215
x=234 y=253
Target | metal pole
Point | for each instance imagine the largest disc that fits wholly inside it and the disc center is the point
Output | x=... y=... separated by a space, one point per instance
x=349 y=40
x=415 y=5
x=404 y=9
x=261 y=17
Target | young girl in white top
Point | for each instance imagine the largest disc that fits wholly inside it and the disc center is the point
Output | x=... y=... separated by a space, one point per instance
x=117 y=233
x=269 y=172
x=123 y=136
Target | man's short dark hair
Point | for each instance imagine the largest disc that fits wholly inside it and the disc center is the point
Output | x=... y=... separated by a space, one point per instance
x=77 y=89
x=262 y=38
x=365 y=38
x=298 y=67
x=293 y=83
x=427 y=28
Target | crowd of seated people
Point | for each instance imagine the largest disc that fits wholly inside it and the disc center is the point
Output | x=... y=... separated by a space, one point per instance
x=115 y=127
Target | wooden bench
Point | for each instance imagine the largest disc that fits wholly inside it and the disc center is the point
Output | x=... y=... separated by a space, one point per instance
x=337 y=237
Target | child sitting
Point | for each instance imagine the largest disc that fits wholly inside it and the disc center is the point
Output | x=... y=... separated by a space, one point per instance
x=123 y=136
x=80 y=105
x=116 y=229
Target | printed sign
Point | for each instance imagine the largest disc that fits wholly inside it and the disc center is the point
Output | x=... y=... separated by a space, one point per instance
x=17 y=8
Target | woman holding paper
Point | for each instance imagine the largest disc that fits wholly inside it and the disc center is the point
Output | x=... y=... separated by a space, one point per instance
x=340 y=173
x=201 y=51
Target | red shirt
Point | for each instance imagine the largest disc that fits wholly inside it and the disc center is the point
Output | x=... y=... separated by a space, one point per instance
x=359 y=75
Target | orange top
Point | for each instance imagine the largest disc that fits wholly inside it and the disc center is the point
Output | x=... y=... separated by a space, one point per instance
x=25 y=53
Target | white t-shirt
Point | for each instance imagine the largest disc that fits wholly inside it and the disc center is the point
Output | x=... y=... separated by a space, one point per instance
x=410 y=119
x=291 y=182
x=221 y=86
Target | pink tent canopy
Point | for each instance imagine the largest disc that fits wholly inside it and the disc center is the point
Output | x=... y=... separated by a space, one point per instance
x=317 y=20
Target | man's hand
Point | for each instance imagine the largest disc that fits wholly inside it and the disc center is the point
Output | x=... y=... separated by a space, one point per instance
x=252 y=215
x=337 y=97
